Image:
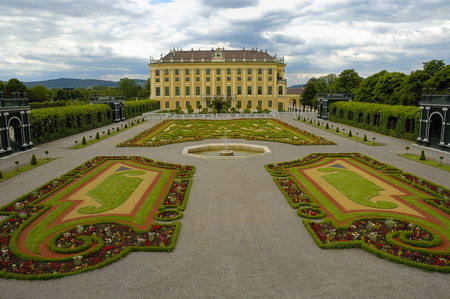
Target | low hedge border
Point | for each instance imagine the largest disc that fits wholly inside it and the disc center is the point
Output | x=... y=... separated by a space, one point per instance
x=50 y=188
x=178 y=213
x=389 y=238
x=319 y=213
x=293 y=204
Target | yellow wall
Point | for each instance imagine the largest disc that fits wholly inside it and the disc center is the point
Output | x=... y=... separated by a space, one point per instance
x=172 y=99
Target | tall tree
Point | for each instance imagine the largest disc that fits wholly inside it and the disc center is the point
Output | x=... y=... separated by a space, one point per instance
x=346 y=80
x=410 y=91
x=386 y=86
x=432 y=67
x=15 y=85
x=310 y=92
x=129 y=87
x=61 y=95
x=39 y=93
x=364 y=93
x=440 y=80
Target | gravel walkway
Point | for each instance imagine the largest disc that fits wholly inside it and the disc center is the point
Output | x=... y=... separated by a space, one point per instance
x=239 y=237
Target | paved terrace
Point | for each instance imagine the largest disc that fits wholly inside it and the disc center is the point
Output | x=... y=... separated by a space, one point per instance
x=239 y=237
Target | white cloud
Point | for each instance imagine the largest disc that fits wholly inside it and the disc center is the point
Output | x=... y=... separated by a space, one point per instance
x=113 y=39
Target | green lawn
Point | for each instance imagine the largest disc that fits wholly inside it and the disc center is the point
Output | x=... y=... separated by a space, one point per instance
x=104 y=135
x=25 y=168
x=355 y=137
x=428 y=162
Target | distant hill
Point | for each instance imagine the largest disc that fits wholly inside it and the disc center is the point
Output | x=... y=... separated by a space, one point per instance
x=297 y=86
x=76 y=83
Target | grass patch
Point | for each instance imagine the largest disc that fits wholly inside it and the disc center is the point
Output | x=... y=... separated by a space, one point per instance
x=104 y=135
x=25 y=168
x=333 y=130
x=427 y=162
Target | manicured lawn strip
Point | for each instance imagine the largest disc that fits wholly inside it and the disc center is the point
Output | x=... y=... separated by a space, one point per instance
x=25 y=168
x=332 y=130
x=427 y=162
x=414 y=200
x=41 y=231
x=104 y=136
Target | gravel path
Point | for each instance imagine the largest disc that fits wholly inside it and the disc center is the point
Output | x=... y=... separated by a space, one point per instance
x=239 y=237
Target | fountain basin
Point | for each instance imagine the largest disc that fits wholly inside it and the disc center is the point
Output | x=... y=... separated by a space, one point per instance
x=232 y=151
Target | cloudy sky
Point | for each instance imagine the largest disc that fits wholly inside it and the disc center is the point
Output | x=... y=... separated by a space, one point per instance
x=104 y=39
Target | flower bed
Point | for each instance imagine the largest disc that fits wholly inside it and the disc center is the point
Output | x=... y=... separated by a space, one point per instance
x=85 y=246
x=401 y=236
x=169 y=132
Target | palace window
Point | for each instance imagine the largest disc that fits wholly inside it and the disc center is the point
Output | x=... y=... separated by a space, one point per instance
x=249 y=89
x=280 y=90
x=197 y=103
x=177 y=104
x=218 y=79
x=270 y=78
x=166 y=79
x=218 y=90
x=249 y=103
x=197 y=79
x=156 y=72
x=228 y=71
x=197 y=71
x=208 y=79
x=166 y=104
x=177 y=79
x=270 y=71
x=158 y=91
x=260 y=78
x=249 y=78
x=166 y=72
x=166 y=91
x=269 y=103
x=260 y=103
x=228 y=79
x=177 y=71
x=156 y=79
x=188 y=90
x=249 y=71
x=208 y=90
x=218 y=71
x=269 y=90
x=239 y=90
x=197 y=90
x=188 y=103
x=228 y=90
x=239 y=78
x=239 y=71
x=259 y=71
x=208 y=71
x=177 y=90
x=186 y=71
x=259 y=90
x=186 y=79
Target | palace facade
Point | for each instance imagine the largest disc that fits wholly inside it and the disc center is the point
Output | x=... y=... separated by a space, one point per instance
x=196 y=78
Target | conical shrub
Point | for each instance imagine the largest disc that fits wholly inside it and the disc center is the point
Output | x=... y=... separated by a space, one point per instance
x=33 y=160
x=337 y=129
x=109 y=132
x=327 y=127
x=83 y=142
x=1 y=175
x=422 y=156
x=97 y=136
x=350 y=133
x=365 y=137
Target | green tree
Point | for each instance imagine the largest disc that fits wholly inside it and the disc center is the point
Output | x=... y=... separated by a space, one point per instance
x=38 y=93
x=46 y=152
x=410 y=91
x=219 y=104
x=33 y=160
x=17 y=165
x=73 y=94
x=364 y=93
x=432 y=67
x=309 y=92
x=15 y=85
x=346 y=80
x=129 y=87
x=97 y=136
x=61 y=95
x=99 y=87
x=238 y=106
x=199 y=107
x=83 y=141
x=386 y=86
x=3 y=87
x=440 y=81
x=210 y=106
x=422 y=156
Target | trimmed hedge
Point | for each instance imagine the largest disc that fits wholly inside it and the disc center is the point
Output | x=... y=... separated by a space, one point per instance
x=50 y=124
x=136 y=108
x=38 y=105
x=392 y=120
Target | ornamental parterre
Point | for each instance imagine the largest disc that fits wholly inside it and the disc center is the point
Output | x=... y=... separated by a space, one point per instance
x=85 y=241
x=405 y=222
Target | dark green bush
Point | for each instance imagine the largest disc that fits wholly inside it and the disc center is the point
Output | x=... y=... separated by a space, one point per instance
x=422 y=156
x=33 y=160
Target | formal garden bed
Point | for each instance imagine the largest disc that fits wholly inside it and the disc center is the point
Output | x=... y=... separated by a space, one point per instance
x=175 y=131
x=92 y=216
x=368 y=204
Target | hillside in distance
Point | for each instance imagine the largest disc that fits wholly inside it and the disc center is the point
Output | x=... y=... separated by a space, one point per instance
x=76 y=83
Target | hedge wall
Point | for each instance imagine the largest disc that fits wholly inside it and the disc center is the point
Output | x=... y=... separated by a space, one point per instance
x=49 y=124
x=392 y=120
x=135 y=108
x=39 y=105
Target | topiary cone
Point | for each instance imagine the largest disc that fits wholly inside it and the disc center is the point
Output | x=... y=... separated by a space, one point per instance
x=1 y=175
x=337 y=129
x=365 y=137
x=327 y=127
x=33 y=160
x=109 y=132
x=83 y=142
x=350 y=133
x=97 y=136
x=422 y=156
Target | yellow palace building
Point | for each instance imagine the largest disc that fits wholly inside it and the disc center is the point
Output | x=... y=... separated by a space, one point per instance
x=193 y=78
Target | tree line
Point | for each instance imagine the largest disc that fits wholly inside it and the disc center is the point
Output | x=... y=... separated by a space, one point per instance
x=393 y=88
x=38 y=93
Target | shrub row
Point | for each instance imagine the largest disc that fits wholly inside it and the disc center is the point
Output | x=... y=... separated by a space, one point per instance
x=39 y=105
x=50 y=124
x=392 y=120
x=135 y=108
